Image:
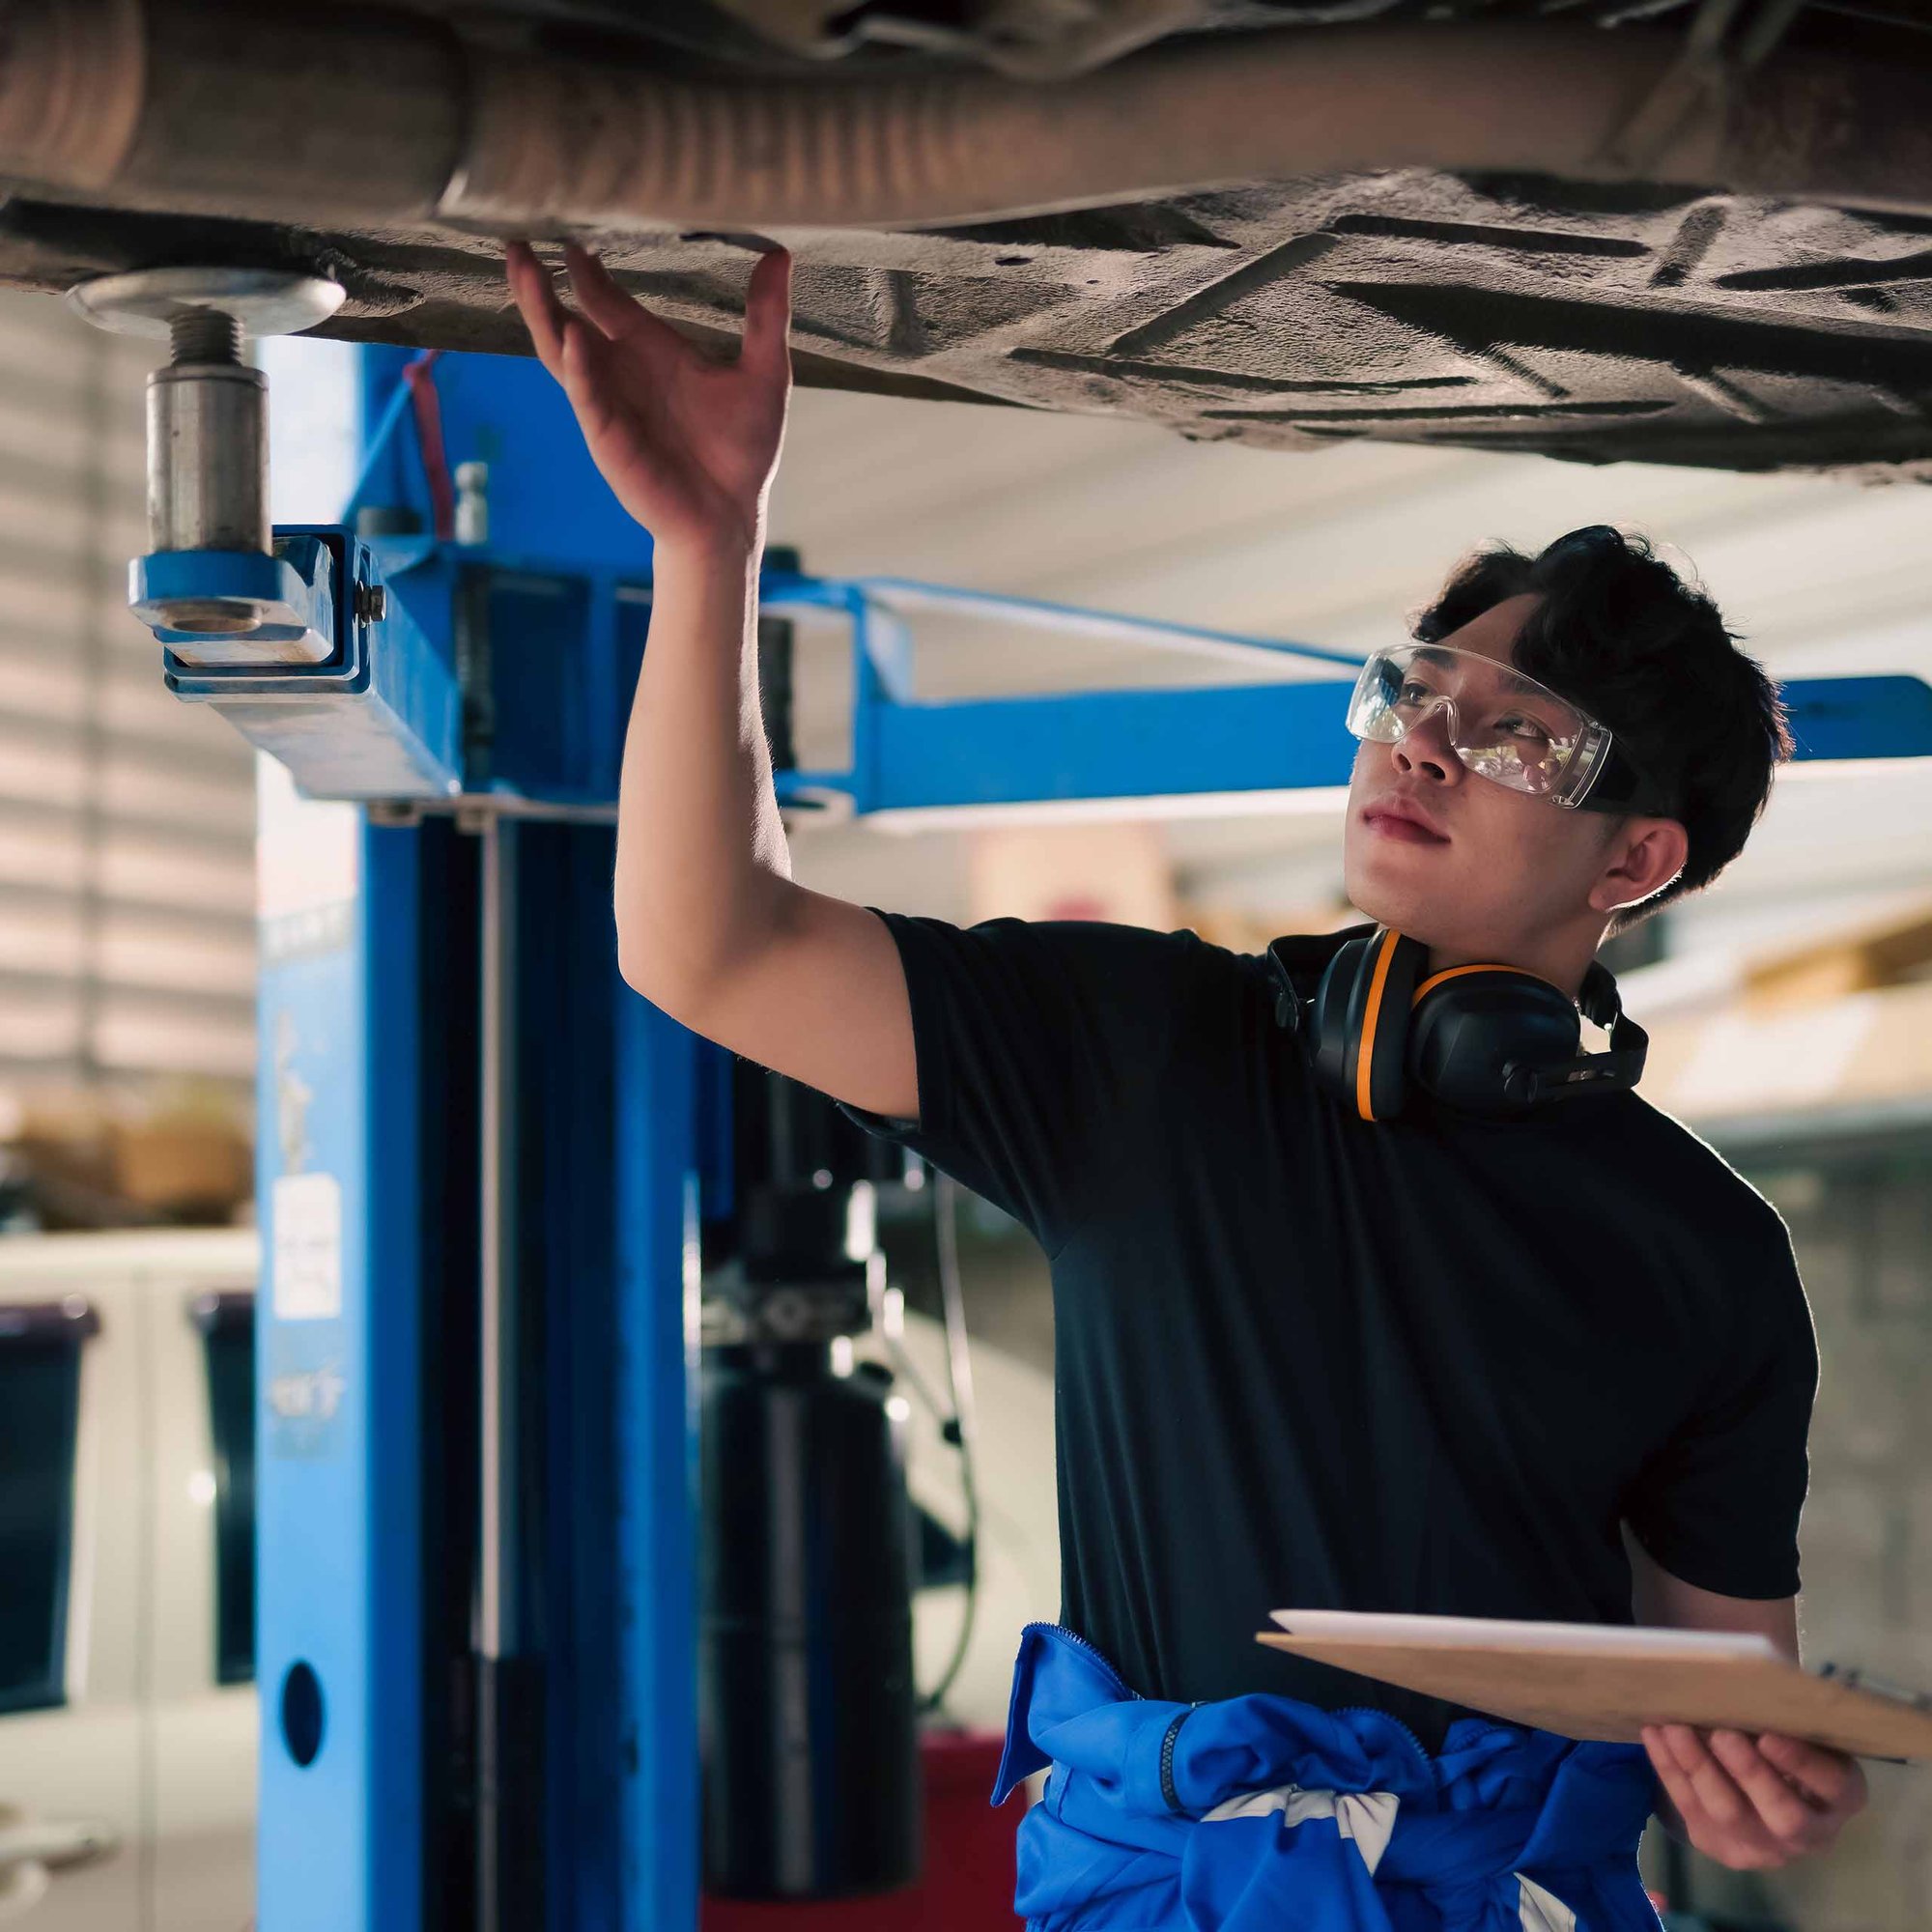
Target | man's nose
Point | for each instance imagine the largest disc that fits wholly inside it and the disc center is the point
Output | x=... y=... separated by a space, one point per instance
x=1426 y=745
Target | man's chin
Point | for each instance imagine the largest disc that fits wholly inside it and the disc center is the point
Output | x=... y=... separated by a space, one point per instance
x=1421 y=915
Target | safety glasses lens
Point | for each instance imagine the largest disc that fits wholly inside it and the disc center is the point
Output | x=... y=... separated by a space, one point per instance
x=1503 y=726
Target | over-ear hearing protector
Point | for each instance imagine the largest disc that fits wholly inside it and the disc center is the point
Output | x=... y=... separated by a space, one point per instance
x=1486 y=1038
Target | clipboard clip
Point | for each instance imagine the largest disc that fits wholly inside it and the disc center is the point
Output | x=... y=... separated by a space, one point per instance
x=1853 y=1677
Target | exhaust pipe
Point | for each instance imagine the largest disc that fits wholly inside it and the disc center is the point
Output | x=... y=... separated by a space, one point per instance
x=385 y=118
x=352 y=116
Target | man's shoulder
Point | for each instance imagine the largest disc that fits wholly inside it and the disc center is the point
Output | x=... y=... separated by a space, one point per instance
x=1685 y=1174
x=1101 y=947
x=1153 y=992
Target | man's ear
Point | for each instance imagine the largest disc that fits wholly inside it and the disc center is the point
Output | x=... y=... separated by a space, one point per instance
x=1643 y=857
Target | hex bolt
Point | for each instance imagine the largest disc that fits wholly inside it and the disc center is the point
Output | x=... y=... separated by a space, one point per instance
x=372 y=603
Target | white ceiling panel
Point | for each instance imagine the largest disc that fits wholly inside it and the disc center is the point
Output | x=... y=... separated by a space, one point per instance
x=1336 y=548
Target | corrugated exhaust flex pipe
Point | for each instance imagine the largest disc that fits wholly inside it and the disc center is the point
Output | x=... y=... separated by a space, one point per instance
x=386 y=119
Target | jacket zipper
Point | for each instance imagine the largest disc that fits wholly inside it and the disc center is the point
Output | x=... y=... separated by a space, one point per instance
x=1370 y=1711
x=1099 y=1657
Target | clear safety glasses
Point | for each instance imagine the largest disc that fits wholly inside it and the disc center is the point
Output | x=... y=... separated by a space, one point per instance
x=1504 y=726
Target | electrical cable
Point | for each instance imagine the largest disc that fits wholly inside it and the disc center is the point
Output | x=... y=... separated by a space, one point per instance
x=907 y=1370
x=964 y=1429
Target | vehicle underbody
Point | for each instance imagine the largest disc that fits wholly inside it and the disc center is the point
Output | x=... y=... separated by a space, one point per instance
x=1702 y=236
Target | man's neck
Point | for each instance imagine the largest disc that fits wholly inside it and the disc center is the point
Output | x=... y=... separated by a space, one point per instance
x=1559 y=964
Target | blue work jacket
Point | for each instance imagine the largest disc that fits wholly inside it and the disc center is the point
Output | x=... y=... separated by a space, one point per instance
x=1266 y=1814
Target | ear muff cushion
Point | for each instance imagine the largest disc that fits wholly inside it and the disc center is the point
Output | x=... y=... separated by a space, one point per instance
x=1469 y=1025
x=1360 y=1021
x=1386 y=989
x=1296 y=963
x=1331 y=1031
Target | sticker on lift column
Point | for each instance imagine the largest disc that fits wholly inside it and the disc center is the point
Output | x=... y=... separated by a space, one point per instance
x=303 y=1391
x=306 y=1209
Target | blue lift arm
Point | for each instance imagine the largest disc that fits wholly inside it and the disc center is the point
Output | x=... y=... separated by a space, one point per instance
x=546 y=655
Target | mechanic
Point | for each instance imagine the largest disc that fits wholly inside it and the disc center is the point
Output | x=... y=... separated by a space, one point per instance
x=1341 y=1320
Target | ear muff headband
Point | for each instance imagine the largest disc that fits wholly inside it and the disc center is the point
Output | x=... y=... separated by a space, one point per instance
x=1368 y=1037
x=1436 y=980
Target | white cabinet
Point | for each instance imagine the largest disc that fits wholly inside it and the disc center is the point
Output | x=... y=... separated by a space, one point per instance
x=126 y=1765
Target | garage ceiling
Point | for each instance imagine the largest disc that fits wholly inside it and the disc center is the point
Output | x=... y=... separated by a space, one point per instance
x=1821 y=579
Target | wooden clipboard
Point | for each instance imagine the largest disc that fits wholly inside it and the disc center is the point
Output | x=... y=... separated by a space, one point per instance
x=1606 y=1682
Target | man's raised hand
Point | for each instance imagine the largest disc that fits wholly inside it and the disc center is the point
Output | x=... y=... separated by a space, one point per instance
x=688 y=443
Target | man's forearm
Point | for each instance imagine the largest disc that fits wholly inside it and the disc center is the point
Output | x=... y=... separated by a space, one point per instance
x=699 y=844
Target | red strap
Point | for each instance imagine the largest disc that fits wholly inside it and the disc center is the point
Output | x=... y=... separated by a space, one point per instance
x=420 y=372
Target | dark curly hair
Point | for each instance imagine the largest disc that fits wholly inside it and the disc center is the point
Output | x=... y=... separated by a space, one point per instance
x=1625 y=638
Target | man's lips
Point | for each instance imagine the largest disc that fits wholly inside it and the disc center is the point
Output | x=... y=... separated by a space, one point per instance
x=1393 y=822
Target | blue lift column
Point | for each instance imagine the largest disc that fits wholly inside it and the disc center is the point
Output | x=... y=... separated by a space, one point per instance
x=476 y=1640
x=352 y=1284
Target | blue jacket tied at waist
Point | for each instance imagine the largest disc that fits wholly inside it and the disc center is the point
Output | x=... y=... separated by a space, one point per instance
x=1266 y=1814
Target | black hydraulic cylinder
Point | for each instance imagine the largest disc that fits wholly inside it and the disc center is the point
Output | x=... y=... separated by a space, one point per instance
x=807 y=1707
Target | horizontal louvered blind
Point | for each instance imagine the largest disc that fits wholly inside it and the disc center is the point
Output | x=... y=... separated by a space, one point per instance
x=126 y=819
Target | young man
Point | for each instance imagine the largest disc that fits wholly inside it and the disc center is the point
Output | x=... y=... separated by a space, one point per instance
x=1548 y=1362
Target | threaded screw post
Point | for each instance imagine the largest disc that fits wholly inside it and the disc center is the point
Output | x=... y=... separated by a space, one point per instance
x=206 y=335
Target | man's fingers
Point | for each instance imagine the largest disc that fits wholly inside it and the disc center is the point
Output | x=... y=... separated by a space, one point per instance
x=1672 y=1775
x=620 y=317
x=1828 y=1777
x=585 y=380
x=1786 y=1814
x=1729 y=1827
x=1717 y=1791
x=538 y=303
x=768 y=315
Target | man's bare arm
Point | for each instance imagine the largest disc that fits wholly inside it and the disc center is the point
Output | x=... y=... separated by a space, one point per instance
x=711 y=926
x=1657 y=1597
x=1750 y=1803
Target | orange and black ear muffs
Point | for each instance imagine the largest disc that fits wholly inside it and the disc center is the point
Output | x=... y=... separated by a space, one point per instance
x=1486 y=1037
x=1359 y=1025
x=1483 y=1036
x=1348 y=994
x=1495 y=1038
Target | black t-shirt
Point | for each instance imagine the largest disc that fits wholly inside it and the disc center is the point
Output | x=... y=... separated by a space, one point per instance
x=1304 y=1360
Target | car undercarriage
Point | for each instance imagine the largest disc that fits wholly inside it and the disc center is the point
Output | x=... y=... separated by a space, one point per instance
x=1689 y=234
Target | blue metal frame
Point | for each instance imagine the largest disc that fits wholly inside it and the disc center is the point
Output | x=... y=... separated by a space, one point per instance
x=380 y=718
x=657 y=1068
x=286 y=599
x=1277 y=736
x=339 y=1582
x=380 y=715
x=369 y=1012
x=606 y=1174
x=547 y=499
x=565 y=589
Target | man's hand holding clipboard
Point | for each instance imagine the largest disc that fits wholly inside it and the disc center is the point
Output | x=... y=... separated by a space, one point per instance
x=1757 y=1756
x=1753 y=1803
